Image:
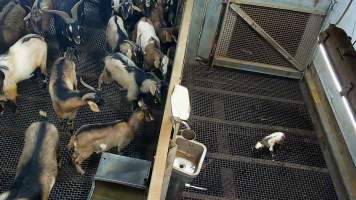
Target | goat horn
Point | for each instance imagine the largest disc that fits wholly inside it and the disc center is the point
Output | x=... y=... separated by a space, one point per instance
x=35 y=4
x=74 y=10
x=136 y=8
x=28 y=7
x=62 y=14
x=4 y=67
x=28 y=16
x=87 y=85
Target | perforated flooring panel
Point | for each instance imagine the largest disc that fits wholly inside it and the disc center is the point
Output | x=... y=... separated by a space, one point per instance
x=32 y=98
x=231 y=111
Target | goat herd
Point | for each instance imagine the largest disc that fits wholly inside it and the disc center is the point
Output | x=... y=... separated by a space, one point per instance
x=139 y=36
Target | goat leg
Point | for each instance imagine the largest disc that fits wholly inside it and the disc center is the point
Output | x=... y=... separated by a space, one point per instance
x=78 y=161
x=2 y=107
x=13 y=107
x=70 y=123
x=11 y=94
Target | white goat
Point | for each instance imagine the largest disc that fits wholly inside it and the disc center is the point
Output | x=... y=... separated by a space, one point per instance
x=270 y=141
x=148 y=41
x=22 y=59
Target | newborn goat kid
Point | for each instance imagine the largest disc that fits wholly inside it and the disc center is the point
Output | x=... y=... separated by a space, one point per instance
x=38 y=165
x=102 y=137
x=65 y=97
x=270 y=141
x=22 y=59
x=137 y=82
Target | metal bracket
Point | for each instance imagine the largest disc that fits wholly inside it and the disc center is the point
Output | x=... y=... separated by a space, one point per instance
x=266 y=36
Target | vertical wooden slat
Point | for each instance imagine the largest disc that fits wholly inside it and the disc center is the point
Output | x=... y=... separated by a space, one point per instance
x=159 y=166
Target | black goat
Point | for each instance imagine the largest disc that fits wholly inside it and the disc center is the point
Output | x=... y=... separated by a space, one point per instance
x=68 y=19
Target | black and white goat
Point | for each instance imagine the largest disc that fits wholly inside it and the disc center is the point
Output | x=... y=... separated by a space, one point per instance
x=270 y=141
x=171 y=7
x=148 y=41
x=69 y=17
x=117 y=39
x=124 y=72
x=22 y=59
x=130 y=13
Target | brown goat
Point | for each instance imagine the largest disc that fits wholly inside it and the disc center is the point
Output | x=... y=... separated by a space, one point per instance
x=12 y=25
x=65 y=97
x=164 y=34
x=37 y=168
x=102 y=137
x=37 y=19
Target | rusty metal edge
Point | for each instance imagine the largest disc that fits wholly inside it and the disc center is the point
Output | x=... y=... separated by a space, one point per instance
x=337 y=157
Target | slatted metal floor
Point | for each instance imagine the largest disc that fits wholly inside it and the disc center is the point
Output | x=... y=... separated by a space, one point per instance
x=32 y=98
x=231 y=111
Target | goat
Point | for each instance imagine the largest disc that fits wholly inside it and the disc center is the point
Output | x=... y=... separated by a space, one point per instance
x=66 y=99
x=22 y=59
x=149 y=43
x=156 y=15
x=147 y=5
x=171 y=10
x=102 y=137
x=124 y=8
x=36 y=19
x=138 y=83
x=165 y=35
x=130 y=13
x=12 y=26
x=69 y=17
x=37 y=168
x=117 y=40
x=270 y=141
x=116 y=33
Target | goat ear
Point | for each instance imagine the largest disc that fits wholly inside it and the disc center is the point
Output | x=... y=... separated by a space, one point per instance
x=153 y=89
x=93 y=107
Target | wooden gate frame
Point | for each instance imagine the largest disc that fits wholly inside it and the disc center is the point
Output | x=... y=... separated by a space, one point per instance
x=297 y=70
